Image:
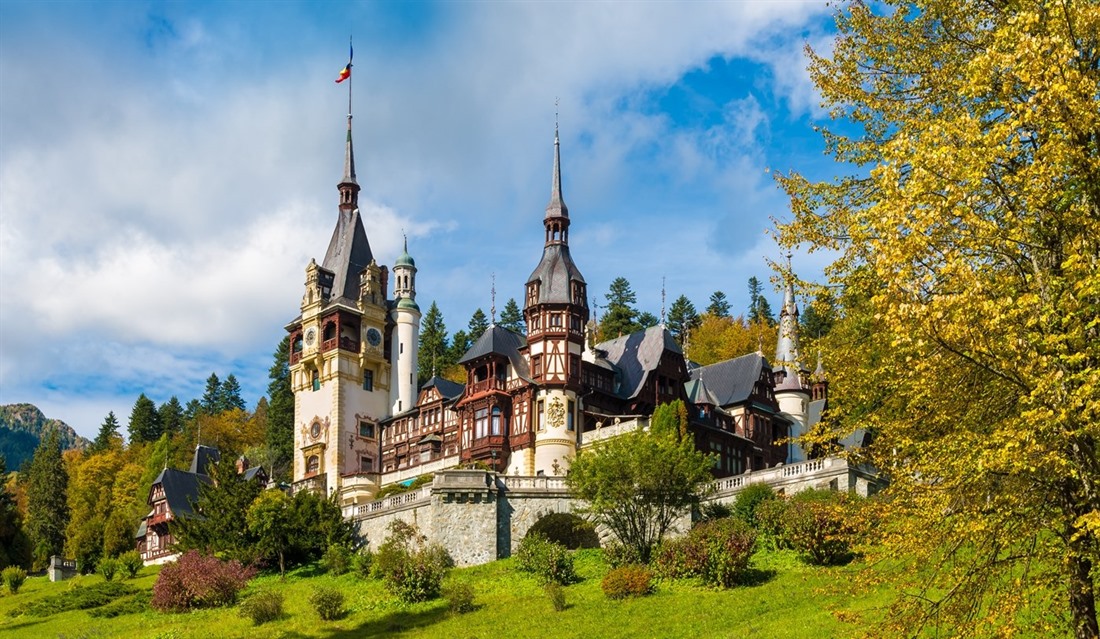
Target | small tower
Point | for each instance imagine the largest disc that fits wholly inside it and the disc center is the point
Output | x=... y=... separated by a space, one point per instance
x=792 y=389
x=406 y=334
x=556 y=312
x=820 y=389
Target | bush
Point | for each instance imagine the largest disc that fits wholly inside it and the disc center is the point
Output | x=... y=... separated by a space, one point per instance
x=627 y=581
x=708 y=512
x=769 y=515
x=548 y=561
x=410 y=568
x=337 y=559
x=79 y=598
x=263 y=606
x=198 y=581
x=362 y=563
x=617 y=555
x=132 y=604
x=817 y=524
x=717 y=552
x=460 y=597
x=14 y=576
x=744 y=507
x=328 y=602
x=130 y=563
x=568 y=530
x=108 y=568
x=556 y=594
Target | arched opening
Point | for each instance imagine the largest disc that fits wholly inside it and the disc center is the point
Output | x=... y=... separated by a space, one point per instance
x=313 y=464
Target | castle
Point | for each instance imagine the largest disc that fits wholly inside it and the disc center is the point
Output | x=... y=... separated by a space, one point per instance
x=530 y=402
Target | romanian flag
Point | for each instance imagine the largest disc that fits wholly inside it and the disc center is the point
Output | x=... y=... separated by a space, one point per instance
x=345 y=73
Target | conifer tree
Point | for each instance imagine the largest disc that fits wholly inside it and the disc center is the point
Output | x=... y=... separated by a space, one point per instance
x=433 y=343
x=191 y=410
x=170 y=415
x=478 y=325
x=512 y=318
x=620 y=318
x=647 y=320
x=144 y=421
x=108 y=434
x=47 y=500
x=230 y=396
x=279 y=436
x=460 y=343
x=212 y=396
x=15 y=548
x=760 y=311
x=719 y=305
x=682 y=318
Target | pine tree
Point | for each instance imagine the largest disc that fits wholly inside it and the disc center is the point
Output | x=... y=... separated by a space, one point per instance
x=279 y=436
x=433 y=343
x=230 y=397
x=682 y=318
x=719 y=306
x=192 y=410
x=108 y=434
x=460 y=343
x=478 y=325
x=818 y=318
x=211 y=397
x=620 y=317
x=647 y=320
x=759 y=308
x=47 y=500
x=512 y=317
x=170 y=415
x=144 y=421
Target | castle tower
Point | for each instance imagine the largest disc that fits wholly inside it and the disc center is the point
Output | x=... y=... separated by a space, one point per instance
x=556 y=311
x=406 y=333
x=792 y=387
x=338 y=365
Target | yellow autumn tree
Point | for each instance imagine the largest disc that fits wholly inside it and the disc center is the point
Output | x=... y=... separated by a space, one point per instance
x=718 y=338
x=968 y=234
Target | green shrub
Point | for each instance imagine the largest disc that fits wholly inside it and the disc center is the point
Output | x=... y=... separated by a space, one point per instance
x=108 y=568
x=817 y=524
x=410 y=568
x=328 y=602
x=717 y=552
x=263 y=606
x=568 y=530
x=79 y=598
x=617 y=554
x=627 y=581
x=362 y=563
x=548 y=561
x=138 y=602
x=769 y=515
x=708 y=512
x=460 y=597
x=556 y=594
x=14 y=576
x=337 y=559
x=744 y=507
x=130 y=563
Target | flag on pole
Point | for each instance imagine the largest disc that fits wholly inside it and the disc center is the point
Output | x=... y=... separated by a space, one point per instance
x=345 y=73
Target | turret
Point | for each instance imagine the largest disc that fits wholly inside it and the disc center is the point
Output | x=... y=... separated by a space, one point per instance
x=792 y=388
x=406 y=333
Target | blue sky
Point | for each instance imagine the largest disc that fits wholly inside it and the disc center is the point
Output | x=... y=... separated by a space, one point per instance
x=167 y=169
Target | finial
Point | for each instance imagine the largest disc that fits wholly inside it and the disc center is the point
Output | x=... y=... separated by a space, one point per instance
x=759 y=346
x=663 y=301
x=555 y=119
x=406 y=238
x=493 y=296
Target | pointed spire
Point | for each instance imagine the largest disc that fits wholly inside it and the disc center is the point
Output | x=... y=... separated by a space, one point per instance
x=556 y=207
x=349 y=158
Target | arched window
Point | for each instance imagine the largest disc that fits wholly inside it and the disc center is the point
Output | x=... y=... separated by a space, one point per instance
x=313 y=464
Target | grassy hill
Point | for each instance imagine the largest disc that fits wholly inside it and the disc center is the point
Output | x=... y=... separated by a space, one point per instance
x=22 y=427
x=787 y=599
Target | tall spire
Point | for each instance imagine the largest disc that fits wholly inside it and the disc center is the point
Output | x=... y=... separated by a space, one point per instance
x=556 y=207
x=787 y=355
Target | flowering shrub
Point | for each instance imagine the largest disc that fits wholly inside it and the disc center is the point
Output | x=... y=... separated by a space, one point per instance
x=198 y=581
x=627 y=581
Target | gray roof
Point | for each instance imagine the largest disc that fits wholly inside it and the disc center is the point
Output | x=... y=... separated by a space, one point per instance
x=698 y=393
x=637 y=354
x=555 y=273
x=813 y=416
x=181 y=488
x=731 y=382
x=205 y=457
x=446 y=388
x=348 y=254
x=500 y=341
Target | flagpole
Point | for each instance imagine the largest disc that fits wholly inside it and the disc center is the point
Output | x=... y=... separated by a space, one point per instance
x=350 y=54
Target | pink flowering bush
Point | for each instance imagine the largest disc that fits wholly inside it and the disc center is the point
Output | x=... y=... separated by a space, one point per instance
x=199 y=581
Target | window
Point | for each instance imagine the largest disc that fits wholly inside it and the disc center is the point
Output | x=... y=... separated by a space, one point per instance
x=497 y=421
x=366 y=429
x=536 y=365
x=368 y=380
x=316 y=381
x=313 y=465
x=366 y=465
x=569 y=415
x=540 y=418
x=555 y=320
x=481 y=422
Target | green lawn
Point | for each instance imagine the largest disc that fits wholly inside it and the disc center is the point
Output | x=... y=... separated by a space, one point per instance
x=786 y=599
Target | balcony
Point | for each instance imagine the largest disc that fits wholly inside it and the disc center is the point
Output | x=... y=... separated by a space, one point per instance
x=317 y=484
x=486 y=385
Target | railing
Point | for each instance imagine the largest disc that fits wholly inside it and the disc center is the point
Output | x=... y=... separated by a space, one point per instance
x=533 y=483
x=316 y=484
x=360 y=511
x=613 y=430
x=349 y=344
x=770 y=475
x=485 y=385
x=159 y=518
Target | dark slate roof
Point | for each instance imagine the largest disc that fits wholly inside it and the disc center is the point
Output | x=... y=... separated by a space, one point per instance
x=637 y=354
x=500 y=341
x=698 y=393
x=180 y=489
x=446 y=388
x=731 y=381
x=251 y=473
x=555 y=273
x=204 y=459
x=348 y=254
x=817 y=407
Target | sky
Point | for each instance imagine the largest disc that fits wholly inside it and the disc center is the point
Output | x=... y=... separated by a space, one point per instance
x=168 y=169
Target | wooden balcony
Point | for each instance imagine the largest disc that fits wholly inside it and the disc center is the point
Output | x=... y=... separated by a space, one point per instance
x=486 y=385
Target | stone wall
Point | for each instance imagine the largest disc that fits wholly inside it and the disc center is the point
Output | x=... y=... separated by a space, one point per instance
x=480 y=516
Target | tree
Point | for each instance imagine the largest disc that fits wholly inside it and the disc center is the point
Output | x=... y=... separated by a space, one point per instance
x=170 y=416
x=460 y=343
x=433 y=343
x=760 y=311
x=818 y=317
x=15 y=548
x=191 y=410
x=144 y=421
x=682 y=318
x=478 y=325
x=221 y=526
x=638 y=483
x=230 y=431
x=279 y=435
x=47 y=500
x=968 y=223
x=646 y=320
x=230 y=396
x=270 y=520
x=620 y=317
x=108 y=436
x=212 y=396
x=90 y=504
x=512 y=318
x=720 y=338
x=719 y=306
